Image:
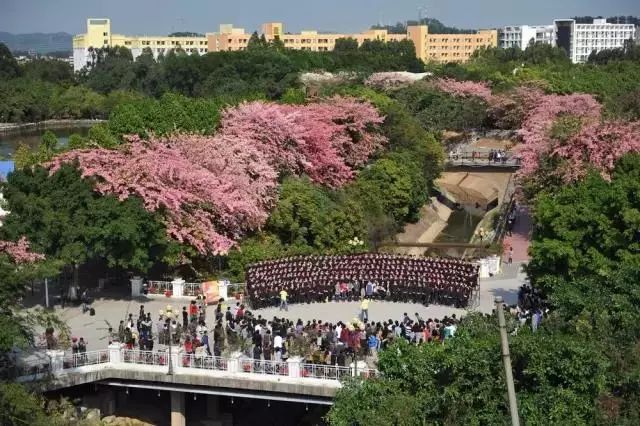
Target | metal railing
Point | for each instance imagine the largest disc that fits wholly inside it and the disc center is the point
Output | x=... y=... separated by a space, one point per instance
x=247 y=366
x=506 y=206
x=85 y=358
x=192 y=289
x=33 y=368
x=130 y=356
x=257 y=366
x=204 y=362
x=483 y=162
x=325 y=372
x=159 y=287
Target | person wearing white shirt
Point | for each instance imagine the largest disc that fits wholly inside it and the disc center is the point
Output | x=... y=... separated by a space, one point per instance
x=277 y=342
x=200 y=329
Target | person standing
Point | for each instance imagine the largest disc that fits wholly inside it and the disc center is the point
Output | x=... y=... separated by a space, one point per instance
x=283 y=300
x=218 y=339
x=121 y=332
x=510 y=259
x=185 y=317
x=193 y=311
x=277 y=347
x=267 y=346
x=364 y=309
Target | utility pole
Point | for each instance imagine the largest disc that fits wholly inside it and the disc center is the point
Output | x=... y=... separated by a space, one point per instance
x=170 y=372
x=46 y=292
x=506 y=360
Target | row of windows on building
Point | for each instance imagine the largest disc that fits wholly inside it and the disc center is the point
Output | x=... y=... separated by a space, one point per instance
x=590 y=27
x=315 y=49
x=445 y=47
x=163 y=43
x=453 y=55
x=458 y=40
x=600 y=34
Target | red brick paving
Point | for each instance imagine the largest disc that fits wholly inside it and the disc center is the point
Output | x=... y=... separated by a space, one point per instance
x=520 y=238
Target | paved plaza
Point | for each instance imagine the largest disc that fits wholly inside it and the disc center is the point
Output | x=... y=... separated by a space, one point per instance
x=109 y=311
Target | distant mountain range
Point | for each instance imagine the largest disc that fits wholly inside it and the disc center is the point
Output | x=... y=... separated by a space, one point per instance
x=38 y=42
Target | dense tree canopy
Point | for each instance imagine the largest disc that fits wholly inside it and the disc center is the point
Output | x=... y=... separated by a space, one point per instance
x=212 y=190
x=66 y=220
x=590 y=227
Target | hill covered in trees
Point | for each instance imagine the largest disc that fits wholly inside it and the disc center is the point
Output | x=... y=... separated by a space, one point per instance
x=38 y=42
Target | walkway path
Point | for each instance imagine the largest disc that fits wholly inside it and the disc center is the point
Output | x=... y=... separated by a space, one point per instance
x=520 y=238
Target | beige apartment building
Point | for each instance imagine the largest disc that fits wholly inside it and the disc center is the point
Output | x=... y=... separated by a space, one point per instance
x=99 y=35
x=449 y=47
x=429 y=47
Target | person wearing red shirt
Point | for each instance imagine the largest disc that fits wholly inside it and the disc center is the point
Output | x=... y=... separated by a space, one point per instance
x=188 y=346
x=193 y=311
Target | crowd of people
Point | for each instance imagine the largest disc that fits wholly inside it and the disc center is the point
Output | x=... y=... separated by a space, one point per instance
x=236 y=328
x=398 y=278
x=531 y=307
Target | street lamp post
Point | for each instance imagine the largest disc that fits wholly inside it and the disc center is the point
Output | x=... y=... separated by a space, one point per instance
x=170 y=372
x=506 y=360
x=169 y=315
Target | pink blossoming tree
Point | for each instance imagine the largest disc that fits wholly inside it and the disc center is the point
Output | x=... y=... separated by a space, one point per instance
x=212 y=190
x=569 y=128
x=19 y=252
x=325 y=140
x=463 y=88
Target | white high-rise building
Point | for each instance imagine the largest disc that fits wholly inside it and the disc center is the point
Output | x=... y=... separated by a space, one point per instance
x=580 y=40
x=521 y=36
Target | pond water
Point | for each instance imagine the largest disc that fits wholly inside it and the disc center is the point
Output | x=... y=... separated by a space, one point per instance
x=9 y=142
x=460 y=227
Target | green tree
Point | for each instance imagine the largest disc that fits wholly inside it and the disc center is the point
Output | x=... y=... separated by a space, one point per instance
x=440 y=111
x=19 y=407
x=385 y=187
x=586 y=228
x=50 y=70
x=78 y=102
x=8 y=65
x=557 y=380
x=67 y=220
x=299 y=213
x=346 y=45
x=254 y=249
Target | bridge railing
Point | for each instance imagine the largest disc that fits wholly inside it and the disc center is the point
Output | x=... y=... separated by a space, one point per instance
x=192 y=289
x=325 y=372
x=85 y=358
x=257 y=366
x=122 y=358
x=144 y=357
x=159 y=287
x=206 y=362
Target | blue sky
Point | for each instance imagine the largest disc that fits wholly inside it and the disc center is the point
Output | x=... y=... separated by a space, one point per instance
x=163 y=16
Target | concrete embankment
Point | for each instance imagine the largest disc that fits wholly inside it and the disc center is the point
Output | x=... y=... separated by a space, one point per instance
x=47 y=124
x=433 y=219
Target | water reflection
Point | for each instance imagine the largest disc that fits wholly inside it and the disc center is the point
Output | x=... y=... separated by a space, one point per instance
x=9 y=142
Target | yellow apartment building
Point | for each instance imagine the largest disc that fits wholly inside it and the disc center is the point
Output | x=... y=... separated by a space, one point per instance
x=429 y=47
x=99 y=35
x=231 y=39
x=449 y=47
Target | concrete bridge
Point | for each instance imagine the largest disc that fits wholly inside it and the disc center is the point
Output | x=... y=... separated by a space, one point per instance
x=235 y=376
